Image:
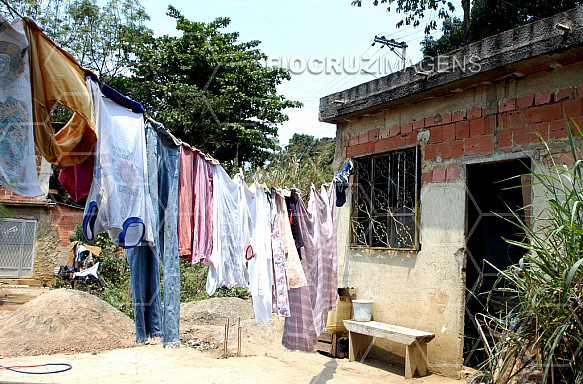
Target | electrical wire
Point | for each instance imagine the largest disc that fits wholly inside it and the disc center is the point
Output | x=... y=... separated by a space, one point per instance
x=13 y=368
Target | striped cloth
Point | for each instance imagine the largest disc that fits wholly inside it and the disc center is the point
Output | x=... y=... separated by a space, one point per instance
x=309 y=305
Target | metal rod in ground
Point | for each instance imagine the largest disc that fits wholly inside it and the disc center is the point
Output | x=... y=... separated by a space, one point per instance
x=227 y=338
x=239 y=338
x=225 y=343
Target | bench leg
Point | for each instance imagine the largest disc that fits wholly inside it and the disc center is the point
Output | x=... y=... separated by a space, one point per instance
x=357 y=343
x=416 y=359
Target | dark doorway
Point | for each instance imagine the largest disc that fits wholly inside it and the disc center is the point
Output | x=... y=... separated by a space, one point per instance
x=493 y=189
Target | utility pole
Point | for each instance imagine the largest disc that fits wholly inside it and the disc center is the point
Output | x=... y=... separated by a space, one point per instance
x=392 y=45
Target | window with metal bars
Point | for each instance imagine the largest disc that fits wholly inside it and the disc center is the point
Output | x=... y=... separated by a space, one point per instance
x=384 y=201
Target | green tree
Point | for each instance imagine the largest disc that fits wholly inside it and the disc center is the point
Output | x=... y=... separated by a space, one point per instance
x=102 y=39
x=452 y=38
x=484 y=18
x=304 y=161
x=210 y=90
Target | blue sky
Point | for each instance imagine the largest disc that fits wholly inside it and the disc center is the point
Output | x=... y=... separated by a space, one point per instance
x=326 y=36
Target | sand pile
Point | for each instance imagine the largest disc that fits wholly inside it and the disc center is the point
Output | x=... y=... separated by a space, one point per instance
x=215 y=311
x=64 y=320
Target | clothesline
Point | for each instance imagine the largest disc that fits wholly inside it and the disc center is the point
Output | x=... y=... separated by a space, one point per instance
x=162 y=199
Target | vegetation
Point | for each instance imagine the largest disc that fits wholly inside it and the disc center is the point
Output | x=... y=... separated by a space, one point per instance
x=210 y=90
x=481 y=19
x=541 y=320
x=304 y=162
x=114 y=284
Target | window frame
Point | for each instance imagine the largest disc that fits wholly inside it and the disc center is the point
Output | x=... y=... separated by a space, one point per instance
x=415 y=214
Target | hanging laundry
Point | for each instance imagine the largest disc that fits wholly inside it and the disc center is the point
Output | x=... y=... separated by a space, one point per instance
x=341 y=183
x=163 y=157
x=58 y=79
x=18 y=171
x=230 y=233
x=295 y=272
x=185 y=202
x=77 y=179
x=309 y=305
x=202 y=233
x=291 y=204
x=118 y=202
x=261 y=262
x=280 y=295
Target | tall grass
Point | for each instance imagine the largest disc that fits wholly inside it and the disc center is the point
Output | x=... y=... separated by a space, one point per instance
x=540 y=326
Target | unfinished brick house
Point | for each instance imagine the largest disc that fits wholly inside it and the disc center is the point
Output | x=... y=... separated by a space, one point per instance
x=35 y=238
x=436 y=148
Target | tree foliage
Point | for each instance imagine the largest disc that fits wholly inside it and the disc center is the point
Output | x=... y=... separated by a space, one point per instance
x=102 y=39
x=210 y=90
x=485 y=18
x=452 y=38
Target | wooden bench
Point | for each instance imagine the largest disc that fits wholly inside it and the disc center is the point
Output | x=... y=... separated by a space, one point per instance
x=361 y=332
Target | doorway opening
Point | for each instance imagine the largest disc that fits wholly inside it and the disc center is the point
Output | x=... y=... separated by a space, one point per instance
x=493 y=191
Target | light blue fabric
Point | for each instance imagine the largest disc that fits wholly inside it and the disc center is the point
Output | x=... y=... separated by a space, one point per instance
x=163 y=156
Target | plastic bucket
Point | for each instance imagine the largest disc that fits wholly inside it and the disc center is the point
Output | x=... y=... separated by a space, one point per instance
x=362 y=309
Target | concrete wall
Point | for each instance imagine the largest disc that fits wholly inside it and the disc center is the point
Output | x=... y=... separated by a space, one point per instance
x=488 y=122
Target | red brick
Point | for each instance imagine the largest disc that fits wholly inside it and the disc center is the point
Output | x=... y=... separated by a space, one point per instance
x=390 y=132
x=477 y=127
x=558 y=129
x=535 y=69
x=362 y=138
x=552 y=112
x=457 y=148
x=458 y=116
x=406 y=128
x=525 y=101
x=541 y=129
x=438 y=175
x=384 y=145
x=436 y=134
x=462 y=129
x=353 y=142
x=474 y=113
x=452 y=173
x=472 y=145
x=431 y=152
x=400 y=141
x=373 y=135
x=430 y=121
x=572 y=108
x=364 y=149
x=490 y=126
x=543 y=97
x=448 y=133
x=574 y=123
x=580 y=91
x=565 y=93
x=426 y=177
x=446 y=118
x=507 y=105
x=534 y=115
x=487 y=143
x=515 y=118
x=411 y=138
x=522 y=135
x=444 y=149
x=419 y=124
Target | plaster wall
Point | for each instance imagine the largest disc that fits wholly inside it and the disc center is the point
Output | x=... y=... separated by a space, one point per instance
x=487 y=123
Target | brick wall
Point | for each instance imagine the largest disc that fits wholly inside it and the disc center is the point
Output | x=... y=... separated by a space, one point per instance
x=506 y=126
x=64 y=219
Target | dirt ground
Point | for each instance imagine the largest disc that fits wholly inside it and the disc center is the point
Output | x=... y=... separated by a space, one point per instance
x=200 y=359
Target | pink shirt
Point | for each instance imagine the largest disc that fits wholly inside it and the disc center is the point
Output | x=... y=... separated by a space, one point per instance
x=185 y=206
x=202 y=239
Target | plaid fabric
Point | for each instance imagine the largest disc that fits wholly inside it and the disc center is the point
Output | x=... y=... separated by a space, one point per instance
x=309 y=305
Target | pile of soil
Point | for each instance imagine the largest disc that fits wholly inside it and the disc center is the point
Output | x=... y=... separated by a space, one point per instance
x=202 y=325
x=62 y=321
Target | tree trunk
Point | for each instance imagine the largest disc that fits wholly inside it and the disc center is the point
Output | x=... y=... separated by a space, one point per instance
x=466 y=22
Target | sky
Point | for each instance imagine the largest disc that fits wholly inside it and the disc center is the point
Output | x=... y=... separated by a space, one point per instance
x=325 y=44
